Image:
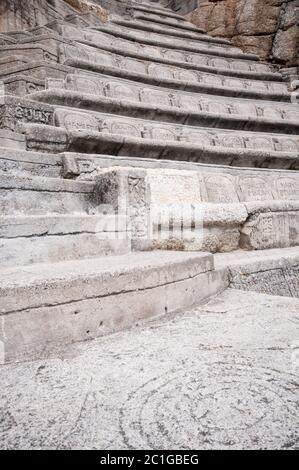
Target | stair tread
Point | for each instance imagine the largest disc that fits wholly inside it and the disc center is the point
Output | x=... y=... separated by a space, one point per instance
x=241 y=258
x=22 y=276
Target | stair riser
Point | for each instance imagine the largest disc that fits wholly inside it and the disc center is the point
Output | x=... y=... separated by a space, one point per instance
x=187 y=109
x=269 y=277
x=51 y=249
x=166 y=75
x=60 y=140
x=161 y=40
x=38 y=202
x=38 y=332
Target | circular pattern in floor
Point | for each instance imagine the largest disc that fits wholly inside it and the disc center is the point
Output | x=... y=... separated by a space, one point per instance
x=218 y=406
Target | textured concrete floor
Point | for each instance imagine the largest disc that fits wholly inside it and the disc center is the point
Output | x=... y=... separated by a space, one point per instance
x=220 y=376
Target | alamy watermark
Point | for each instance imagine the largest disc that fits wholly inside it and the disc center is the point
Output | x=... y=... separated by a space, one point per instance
x=294 y=88
x=182 y=222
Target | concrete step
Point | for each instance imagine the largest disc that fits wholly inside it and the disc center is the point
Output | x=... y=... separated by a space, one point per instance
x=5 y=40
x=157 y=39
x=123 y=131
x=40 y=196
x=131 y=99
x=148 y=71
x=9 y=139
x=272 y=271
x=169 y=31
x=157 y=19
x=205 y=62
x=148 y=8
x=196 y=147
x=22 y=163
x=44 y=306
x=85 y=165
x=50 y=238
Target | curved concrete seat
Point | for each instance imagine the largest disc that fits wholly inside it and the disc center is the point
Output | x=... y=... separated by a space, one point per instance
x=157 y=19
x=157 y=39
x=169 y=31
x=162 y=105
x=151 y=130
x=146 y=8
x=203 y=62
x=89 y=58
x=89 y=140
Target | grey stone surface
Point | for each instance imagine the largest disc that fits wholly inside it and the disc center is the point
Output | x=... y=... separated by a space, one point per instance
x=209 y=127
x=158 y=39
x=203 y=211
x=129 y=98
x=84 y=56
x=44 y=306
x=222 y=376
x=273 y=272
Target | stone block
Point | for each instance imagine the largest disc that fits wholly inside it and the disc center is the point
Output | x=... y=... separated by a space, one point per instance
x=271 y=230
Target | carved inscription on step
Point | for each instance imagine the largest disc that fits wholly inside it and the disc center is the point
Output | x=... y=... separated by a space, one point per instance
x=26 y=114
x=221 y=189
x=76 y=121
x=287 y=188
x=84 y=85
x=155 y=97
x=267 y=230
x=255 y=189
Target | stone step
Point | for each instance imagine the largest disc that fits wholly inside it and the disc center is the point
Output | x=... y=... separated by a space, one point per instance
x=153 y=131
x=71 y=165
x=41 y=195
x=20 y=84
x=272 y=271
x=23 y=163
x=157 y=19
x=31 y=50
x=157 y=5
x=17 y=36
x=169 y=31
x=49 y=238
x=5 y=40
x=149 y=68
x=190 y=210
x=9 y=139
x=124 y=138
x=12 y=61
x=204 y=62
x=32 y=75
x=161 y=40
x=147 y=8
x=86 y=166
x=46 y=305
x=90 y=58
x=131 y=99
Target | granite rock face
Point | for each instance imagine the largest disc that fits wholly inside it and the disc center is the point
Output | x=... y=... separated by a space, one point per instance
x=265 y=27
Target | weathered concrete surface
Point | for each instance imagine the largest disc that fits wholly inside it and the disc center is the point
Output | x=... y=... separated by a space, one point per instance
x=220 y=376
x=273 y=271
x=44 y=306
